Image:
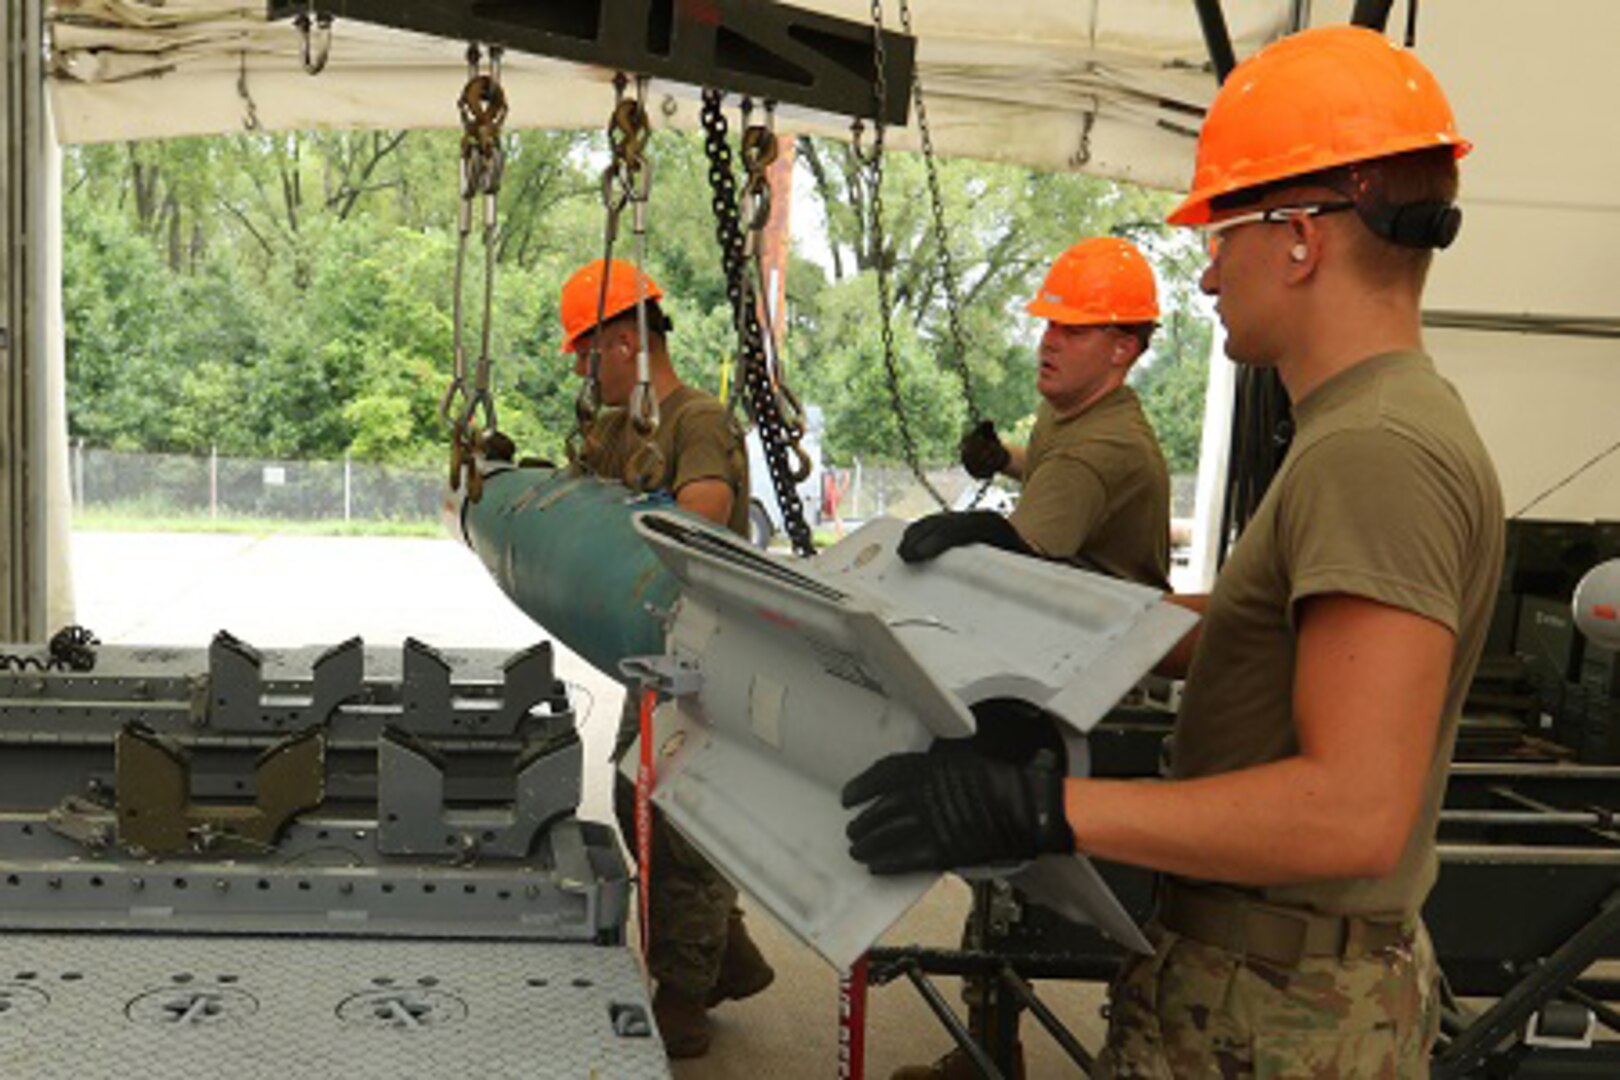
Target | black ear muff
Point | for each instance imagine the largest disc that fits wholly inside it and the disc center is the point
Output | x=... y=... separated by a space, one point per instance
x=1426 y=224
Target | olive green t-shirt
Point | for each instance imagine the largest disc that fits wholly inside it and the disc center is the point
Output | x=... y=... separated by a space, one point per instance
x=1387 y=493
x=698 y=438
x=1096 y=492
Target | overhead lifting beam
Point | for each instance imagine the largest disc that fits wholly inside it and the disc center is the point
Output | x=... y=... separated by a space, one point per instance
x=754 y=47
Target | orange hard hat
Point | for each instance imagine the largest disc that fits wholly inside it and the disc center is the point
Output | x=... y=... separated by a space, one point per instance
x=582 y=296
x=1329 y=96
x=1096 y=282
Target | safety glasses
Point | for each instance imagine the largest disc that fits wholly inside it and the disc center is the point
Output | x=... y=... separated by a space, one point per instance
x=1276 y=215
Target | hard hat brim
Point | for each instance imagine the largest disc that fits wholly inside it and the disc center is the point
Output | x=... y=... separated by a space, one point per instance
x=1072 y=316
x=1195 y=208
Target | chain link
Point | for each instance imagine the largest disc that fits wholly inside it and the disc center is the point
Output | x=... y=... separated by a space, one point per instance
x=874 y=167
x=761 y=400
x=483 y=109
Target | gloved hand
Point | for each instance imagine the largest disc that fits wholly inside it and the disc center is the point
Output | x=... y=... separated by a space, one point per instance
x=928 y=537
x=498 y=446
x=983 y=454
x=954 y=807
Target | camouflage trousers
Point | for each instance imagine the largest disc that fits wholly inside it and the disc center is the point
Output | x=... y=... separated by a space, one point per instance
x=690 y=903
x=1194 y=1010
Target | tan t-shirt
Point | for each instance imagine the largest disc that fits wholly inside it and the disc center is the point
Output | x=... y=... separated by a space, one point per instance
x=698 y=439
x=1387 y=493
x=1096 y=492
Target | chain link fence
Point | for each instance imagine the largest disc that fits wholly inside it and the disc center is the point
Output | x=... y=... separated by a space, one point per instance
x=865 y=491
x=177 y=485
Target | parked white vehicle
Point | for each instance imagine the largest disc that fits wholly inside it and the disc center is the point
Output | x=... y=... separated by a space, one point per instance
x=764 y=515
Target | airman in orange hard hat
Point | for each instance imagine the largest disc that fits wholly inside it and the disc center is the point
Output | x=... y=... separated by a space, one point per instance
x=613 y=291
x=699 y=949
x=1096 y=492
x=1295 y=834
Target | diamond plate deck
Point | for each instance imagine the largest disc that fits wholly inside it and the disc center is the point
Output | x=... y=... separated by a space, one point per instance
x=150 y=1007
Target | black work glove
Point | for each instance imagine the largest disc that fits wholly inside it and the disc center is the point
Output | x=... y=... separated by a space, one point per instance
x=498 y=446
x=929 y=537
x=954 y=807
x=983 y=454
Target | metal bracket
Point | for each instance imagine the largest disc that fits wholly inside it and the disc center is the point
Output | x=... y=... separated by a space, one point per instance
x=157 y=817
x=666 y=674
x=766 y=50
x=432 y=709
x=237 y=701
x=1561 y=1025
x=415 y=816
x=82 y=821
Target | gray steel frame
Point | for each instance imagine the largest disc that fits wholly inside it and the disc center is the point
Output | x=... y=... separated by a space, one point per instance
x=764 y=49
x=424 y=904
x=449 y=783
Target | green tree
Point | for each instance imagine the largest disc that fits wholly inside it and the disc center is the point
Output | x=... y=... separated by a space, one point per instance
x=290 y=293
x=118 y=317
x=1004 y=225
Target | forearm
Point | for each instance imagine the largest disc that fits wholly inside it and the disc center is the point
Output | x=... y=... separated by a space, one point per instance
x=1175 y=663
x=1285 y=822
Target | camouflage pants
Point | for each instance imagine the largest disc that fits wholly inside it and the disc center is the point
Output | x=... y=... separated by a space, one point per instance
x=1194 y=1010
x=690 y=903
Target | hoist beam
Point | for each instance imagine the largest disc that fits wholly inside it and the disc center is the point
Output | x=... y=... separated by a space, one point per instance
x=755 y=47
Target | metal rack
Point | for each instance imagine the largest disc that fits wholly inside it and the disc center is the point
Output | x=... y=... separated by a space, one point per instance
x=333 y=862
x=1525 y=915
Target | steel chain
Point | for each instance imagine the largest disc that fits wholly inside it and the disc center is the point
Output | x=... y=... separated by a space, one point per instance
x=483 y=109
x=947 y=265
x=874 y=166
x=942 y=250
x=759 y=150
x=760 y=402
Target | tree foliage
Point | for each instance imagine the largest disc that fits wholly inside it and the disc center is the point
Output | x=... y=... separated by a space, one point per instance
x=291 y=294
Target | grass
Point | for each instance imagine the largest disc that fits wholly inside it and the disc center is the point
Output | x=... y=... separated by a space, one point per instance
x=95 y=519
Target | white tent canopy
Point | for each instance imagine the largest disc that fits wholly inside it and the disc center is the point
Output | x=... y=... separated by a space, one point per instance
x=1115 y=87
